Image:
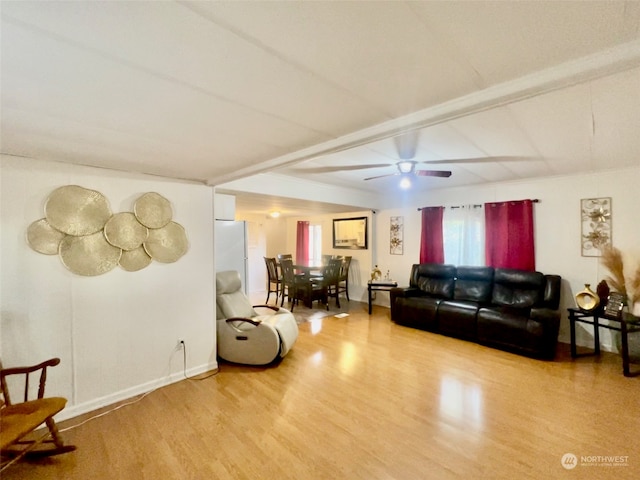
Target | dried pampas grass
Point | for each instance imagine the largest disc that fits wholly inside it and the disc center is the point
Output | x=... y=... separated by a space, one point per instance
x=634 y=287
x=629 y=287
x=612 y=261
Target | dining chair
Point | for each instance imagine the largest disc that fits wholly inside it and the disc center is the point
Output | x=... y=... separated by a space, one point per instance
x=343 y=285
x=300 y=287
x=274 y=279
x=330 y=280
x=280 y=257
x=290 y=281
x=325 y=259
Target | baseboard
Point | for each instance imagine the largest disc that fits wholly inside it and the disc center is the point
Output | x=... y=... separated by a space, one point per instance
x=111 y=399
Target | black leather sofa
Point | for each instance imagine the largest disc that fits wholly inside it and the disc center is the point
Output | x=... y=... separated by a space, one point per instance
x=513 y=310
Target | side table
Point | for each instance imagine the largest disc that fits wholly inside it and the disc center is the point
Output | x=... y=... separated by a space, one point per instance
x=628 y=324
x=379 y=285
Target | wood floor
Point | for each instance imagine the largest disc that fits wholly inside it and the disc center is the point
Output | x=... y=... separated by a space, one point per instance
x=362 y=398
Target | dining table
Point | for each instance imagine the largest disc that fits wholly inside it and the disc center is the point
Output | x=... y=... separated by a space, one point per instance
x=307 y=271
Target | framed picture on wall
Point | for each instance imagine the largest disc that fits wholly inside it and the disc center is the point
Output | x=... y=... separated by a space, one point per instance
x=350 y=233
x=595 y=216
x=396 y=230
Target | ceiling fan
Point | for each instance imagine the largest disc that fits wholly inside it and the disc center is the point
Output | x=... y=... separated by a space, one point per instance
x=408 y=168
x=406 y=145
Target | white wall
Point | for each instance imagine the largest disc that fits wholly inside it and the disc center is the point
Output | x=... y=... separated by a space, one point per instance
x=115 y=333
x=276 y=233
x=557 y=227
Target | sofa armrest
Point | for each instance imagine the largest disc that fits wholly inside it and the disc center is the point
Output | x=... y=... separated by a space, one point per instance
x=396 y=292
x=550 y=319
x=402 y=292
x=545 y=314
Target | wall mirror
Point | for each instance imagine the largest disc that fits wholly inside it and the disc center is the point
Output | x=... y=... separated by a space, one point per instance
x=350 y=233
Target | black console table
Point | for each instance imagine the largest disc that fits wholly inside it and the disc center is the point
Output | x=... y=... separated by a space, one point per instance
x=379 y=285
x=628 y=324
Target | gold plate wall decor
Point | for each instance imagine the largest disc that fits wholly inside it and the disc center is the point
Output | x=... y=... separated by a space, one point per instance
x=167 y=244
x=134 y=260
x=153 y=210
x=76 y=210
x=123 y=230
x=89 y=255
x=80 y=227
x=43 y=238
x=595 y=214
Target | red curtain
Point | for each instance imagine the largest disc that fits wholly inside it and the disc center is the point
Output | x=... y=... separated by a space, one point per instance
x=302 y=243
x=509 y=235
x=431 y=239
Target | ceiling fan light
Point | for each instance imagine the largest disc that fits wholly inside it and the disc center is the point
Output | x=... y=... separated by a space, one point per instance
x=406 y=166
x=405 y=183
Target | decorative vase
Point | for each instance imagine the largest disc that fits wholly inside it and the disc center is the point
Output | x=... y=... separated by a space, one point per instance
x=376 y=274
x=603 y=292
x=587 y=300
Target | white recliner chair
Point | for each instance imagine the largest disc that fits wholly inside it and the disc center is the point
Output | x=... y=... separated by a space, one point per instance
x=244 y=335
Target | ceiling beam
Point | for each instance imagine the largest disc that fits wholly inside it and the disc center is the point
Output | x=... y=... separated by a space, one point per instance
x=617 y=59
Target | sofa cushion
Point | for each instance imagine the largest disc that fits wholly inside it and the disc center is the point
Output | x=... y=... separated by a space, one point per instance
x=511 y=329
x=474 y=284
x=517 y=288
x=434 y=279
x=457 y=318
x=417 y=312
x=502 y=325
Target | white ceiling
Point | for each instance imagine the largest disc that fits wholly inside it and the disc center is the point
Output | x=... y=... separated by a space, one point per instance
x=215 y=91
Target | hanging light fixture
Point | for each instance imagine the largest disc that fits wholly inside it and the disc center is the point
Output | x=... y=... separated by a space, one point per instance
x=406 y=166
x=405 y=182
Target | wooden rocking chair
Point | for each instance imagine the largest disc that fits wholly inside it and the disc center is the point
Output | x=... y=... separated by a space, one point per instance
x=17 y=420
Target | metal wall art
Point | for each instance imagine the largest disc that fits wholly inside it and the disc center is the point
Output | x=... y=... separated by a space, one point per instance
x=90 y=240
x=596 y=225
x=396 y=244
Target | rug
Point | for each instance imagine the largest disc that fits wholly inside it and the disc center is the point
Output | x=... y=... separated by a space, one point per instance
x=305 y=314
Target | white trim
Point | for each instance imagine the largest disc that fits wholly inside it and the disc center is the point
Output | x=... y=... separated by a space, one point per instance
x=95 y=404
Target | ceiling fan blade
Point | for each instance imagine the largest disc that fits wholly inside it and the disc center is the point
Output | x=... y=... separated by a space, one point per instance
x=343 y=168
x=433 y=173
x=382 y=176
x=453 y=161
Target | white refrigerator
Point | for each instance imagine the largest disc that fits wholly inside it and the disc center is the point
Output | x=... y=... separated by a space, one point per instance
x=231 y=252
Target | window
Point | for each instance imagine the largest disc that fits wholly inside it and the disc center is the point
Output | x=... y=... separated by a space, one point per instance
x=463 y=231
x=315 y=244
